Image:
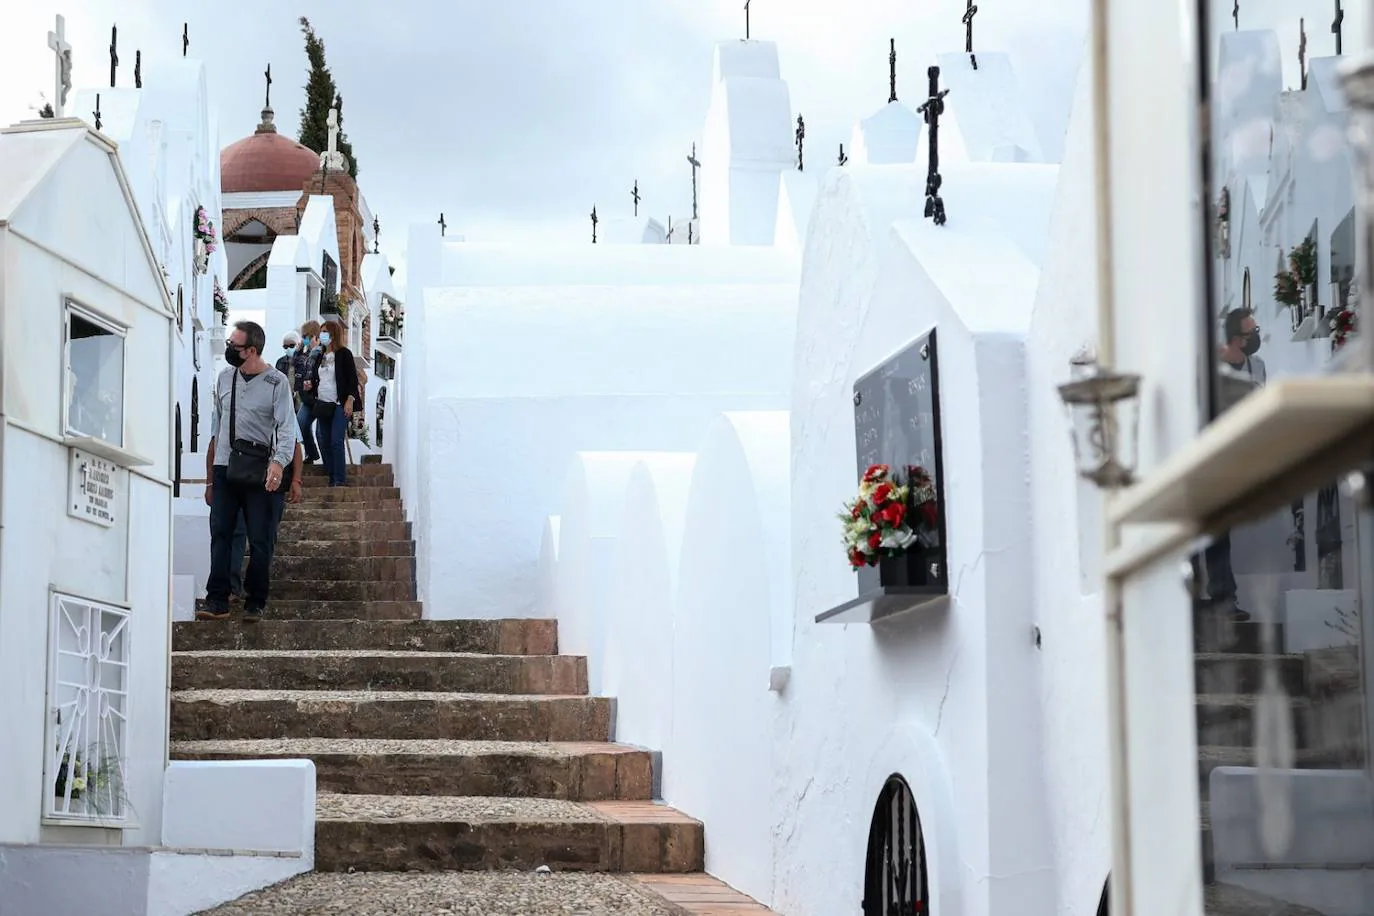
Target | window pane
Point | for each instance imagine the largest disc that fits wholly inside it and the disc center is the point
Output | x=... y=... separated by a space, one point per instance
x=1281 y=215
x=95 y=381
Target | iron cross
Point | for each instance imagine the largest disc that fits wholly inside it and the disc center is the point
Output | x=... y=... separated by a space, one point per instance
x=1235 y=14
x=376 y=234
x=1302 y=51
x=746 y=20
x=892 y=71
x=1336 y=26
x=267 y=99
x=634 y=195
x=97 y=111
x=969 y=13
x=801 y=139
x=594 y=222
x=843 y=157
x=443 y=226
x=114 y=53
x=931 y=110
x=695 y=165
x=138 y=69
x=185 y=38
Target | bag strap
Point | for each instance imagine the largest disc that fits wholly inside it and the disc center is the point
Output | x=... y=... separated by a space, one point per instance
x=233 y=407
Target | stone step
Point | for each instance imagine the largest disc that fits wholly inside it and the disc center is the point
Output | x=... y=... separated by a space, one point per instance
x=319 y=496
x=499 y=637
x=1212 y=633
x=301 y=528
x=575 y=772
x=370 y=669
x=326 y=589
x=354 y=470
x=338 y=610
x=202 y=715
x=1336 y=758
x=342 y=569
x=1228 y=720
x=369 y=479
x=348 y=513
x=306 y=547
x=433 y=833
x=1235 y=672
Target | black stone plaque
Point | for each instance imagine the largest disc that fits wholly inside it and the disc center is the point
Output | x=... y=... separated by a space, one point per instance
x=897 y=423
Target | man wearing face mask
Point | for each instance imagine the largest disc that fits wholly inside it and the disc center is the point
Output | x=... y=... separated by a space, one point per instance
x=251 y=409
x=1242 y=371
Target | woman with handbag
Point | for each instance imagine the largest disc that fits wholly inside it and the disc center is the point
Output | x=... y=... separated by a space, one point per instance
x=335 y=382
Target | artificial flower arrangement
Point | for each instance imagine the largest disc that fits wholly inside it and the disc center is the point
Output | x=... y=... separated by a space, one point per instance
x=1342 y=326
x=889 y=517
x=221 y=300
x=205 y=230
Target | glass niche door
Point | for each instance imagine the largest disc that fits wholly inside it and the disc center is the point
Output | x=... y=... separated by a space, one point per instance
x=1282 y=607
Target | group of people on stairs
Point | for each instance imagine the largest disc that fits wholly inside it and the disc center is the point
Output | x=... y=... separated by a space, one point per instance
x=261 y=420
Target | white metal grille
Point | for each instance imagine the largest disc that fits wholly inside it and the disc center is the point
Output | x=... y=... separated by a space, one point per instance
x=88 y=696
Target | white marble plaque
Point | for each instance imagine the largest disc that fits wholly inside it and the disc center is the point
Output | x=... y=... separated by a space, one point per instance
x=91 y=488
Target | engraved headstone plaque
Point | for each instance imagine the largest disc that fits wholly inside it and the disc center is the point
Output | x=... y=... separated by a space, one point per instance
x=92 y=489
x=897 y=423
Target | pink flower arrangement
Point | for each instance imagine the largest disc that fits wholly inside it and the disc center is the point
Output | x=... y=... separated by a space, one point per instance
x=205 y=230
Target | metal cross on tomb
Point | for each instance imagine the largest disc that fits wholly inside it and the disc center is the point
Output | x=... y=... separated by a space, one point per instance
x=1235 y=15
x=114 y=54
x=97 y=111
x=931 y=110
x=969 y=13
x=746 y=20
x=594 y=222
x=376 y=234
x=892 y=71
x=1337 y=26
x=62 y=67
x=695 y=165
x=801 y=140
x=185 y=38
x=634 y=195
x=138 y=69
x=1302 y=51
x=443 y=226
x=843 y=157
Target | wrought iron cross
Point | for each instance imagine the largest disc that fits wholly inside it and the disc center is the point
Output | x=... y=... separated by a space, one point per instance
x=931 y=110
x=185 y=38
x=695 y=165
x=97 y=111
x=62 y=69
x=801 y=139
x=892 y=71
x=1336 y=26
x=843 y=157
x=1235 y=14
x=443 y=226
x=138 y=69
x=746 y=20
x=594 y=222
x=634 y=195
x=267 y=99
x=376 y=234
x=1302 y=51
x=114 y=53
x=969 y=13
x=689 y=234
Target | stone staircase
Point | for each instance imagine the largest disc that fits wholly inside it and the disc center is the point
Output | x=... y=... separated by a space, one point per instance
x=1323 y=689
x=439 y=745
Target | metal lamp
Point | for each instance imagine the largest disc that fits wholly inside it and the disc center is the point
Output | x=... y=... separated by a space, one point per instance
x=1104 y=411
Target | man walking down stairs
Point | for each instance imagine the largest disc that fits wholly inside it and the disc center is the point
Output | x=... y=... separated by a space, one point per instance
x=461 y=765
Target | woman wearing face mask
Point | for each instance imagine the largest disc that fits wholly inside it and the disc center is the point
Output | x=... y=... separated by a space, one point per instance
x=335 y=383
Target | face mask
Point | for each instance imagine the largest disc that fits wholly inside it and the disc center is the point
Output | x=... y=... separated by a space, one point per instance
x=324 y=339
x=305 y=343
x=1252 y=343
x=233 y=356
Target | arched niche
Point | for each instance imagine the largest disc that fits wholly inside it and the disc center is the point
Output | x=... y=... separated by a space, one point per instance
x=895 y=876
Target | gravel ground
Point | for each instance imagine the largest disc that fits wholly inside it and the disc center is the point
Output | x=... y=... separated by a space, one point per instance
x=330 y=807
x=375 y=746
x=452 y=894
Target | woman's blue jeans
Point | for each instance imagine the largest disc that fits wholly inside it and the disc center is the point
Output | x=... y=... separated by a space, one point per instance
x=329 y=436
x=305 y=419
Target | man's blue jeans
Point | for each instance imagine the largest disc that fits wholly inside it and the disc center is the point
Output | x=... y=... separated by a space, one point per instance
x=261 y=511
x=236 y=553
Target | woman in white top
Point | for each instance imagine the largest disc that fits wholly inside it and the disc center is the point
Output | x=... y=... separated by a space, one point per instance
x=335 y=381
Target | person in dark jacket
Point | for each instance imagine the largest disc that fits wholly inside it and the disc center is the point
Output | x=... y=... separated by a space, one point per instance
x=335 y=383
x=303 y=363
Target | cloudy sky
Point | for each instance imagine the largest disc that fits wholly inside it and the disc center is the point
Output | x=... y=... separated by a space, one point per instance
x=515 y=117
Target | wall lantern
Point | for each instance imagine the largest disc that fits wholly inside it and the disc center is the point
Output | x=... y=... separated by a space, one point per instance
x=1104 y=411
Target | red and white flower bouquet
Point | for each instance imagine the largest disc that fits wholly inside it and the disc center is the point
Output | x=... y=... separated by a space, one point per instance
x=890 y=517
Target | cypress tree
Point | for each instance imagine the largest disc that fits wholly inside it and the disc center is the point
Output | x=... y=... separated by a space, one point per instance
x=320 y=94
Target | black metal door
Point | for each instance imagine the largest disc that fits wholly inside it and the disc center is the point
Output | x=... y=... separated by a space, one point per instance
x=895 y=873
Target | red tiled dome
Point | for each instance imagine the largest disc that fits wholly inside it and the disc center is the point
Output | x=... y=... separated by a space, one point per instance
x=266 y=161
